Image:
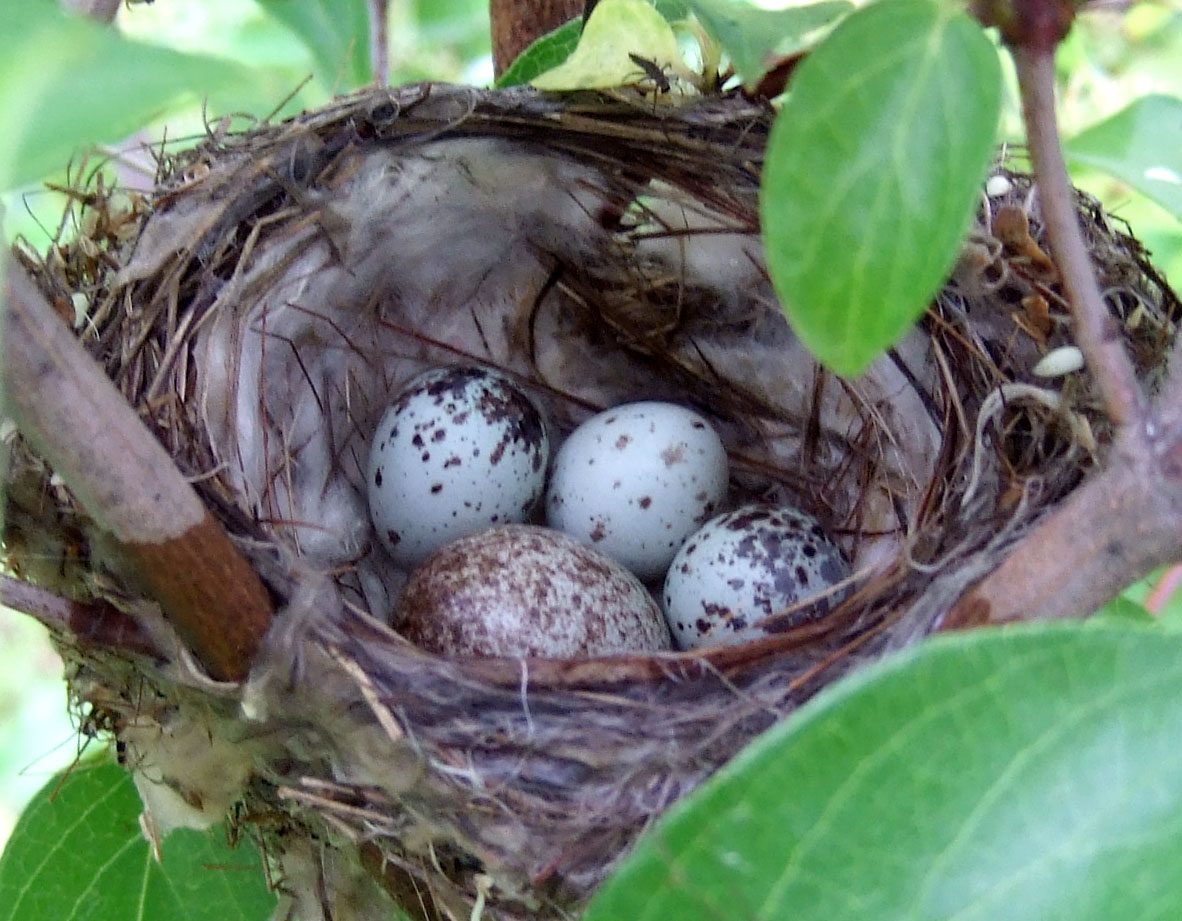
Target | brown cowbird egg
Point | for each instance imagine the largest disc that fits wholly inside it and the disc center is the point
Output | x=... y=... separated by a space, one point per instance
x=523 y=591
x=746 y=565
x=635 y=481
x=461 y=449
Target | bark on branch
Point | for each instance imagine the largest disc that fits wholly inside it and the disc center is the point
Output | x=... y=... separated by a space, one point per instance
x=516 y=24
x=174 y=550
x=1096 y=331
x=94 y=625
x=1127 y=519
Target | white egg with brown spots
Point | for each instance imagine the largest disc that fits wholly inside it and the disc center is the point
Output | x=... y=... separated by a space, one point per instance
x=524 y=591
x=635 y=481
x=460 y=450
x=747 y=565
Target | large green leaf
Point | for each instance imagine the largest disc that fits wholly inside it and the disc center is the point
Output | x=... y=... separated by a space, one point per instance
x=66 y=82
x=753 y=36
x=1025 y=775
x=337 y=34
x=77 y=855
x=873 y=171
x=1142 y=145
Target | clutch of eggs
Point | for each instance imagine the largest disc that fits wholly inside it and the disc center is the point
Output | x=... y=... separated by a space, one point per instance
x=459 y=460
x=460 y=450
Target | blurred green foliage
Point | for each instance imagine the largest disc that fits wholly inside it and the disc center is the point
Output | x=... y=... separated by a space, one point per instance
x=36 y=735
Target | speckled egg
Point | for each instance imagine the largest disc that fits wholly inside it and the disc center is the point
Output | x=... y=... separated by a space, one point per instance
x=461 y=449
x=635 y=481
x=519 y=591
x=746 y=565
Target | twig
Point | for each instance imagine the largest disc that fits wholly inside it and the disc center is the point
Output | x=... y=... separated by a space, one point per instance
x=1113 y=529
x=1096 y=332
x=173 y=549
x=1164 y=589
x=1127 y=519
x=379 y=41
x=95 y=624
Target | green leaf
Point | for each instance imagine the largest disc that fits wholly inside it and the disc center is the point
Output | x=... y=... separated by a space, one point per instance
x=673 y=10
x=1141 y=145
x=754 y=36
x=337 y=34
x=66 y=82
x=873 y=171
x=1123 y=611
x=77 y=853
x=1026 y=775
x=544 y=54
x=615 y=30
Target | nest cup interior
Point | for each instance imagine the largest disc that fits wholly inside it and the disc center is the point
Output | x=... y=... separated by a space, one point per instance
x=591 y=282
x=285 y=283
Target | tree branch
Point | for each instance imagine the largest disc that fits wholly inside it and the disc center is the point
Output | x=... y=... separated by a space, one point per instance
x=1116 y=527
x=517 y=24
x=379 y=41
x=94 y=625
x=1127 y=519
x=173 y=549
x=1096 y=332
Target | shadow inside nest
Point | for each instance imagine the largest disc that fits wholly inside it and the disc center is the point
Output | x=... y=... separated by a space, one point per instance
x=260 y=308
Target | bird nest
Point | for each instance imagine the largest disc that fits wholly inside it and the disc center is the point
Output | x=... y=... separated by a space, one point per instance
x=262 y=305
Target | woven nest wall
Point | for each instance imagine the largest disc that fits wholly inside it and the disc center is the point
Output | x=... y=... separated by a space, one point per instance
x=260 y=308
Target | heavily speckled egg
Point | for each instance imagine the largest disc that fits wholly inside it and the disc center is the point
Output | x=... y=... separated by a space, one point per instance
x=635 y=481
x=746 y=565
x=520 y=591
x=461 y=449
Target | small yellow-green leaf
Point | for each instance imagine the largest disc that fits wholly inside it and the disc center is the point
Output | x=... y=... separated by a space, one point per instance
x=544 y=54
x=615 y=30
x=873 y=171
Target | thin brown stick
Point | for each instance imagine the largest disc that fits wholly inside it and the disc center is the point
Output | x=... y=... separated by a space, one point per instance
x=1096 y=332
x=379 y=41
x=1126 y=519
x=174 y=551
x=91 y=625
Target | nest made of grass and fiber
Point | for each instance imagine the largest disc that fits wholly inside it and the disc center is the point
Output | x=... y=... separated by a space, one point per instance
x=263 y=305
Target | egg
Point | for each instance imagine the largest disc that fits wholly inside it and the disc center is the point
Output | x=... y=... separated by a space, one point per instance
x=635 y=481
x=461 y=449
x=524 y=591
x=746 y=565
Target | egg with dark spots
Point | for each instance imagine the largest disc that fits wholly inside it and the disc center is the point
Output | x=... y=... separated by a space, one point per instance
x=635 y=481
x=524 y=591
x=460 y=449
x=744 y=566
